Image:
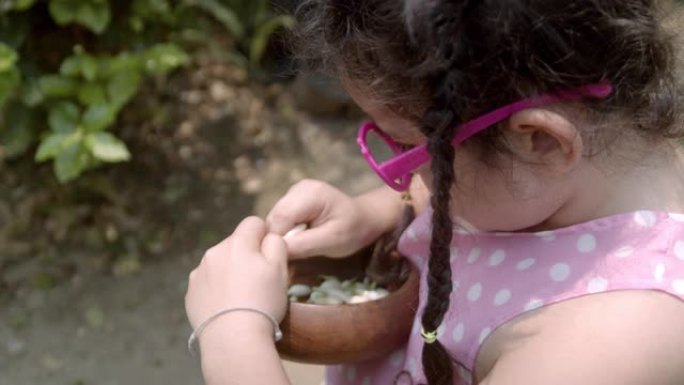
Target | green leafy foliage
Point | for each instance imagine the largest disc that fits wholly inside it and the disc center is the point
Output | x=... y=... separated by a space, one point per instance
x=251 y=23
x=66 y=92
x=19 y=131
x=107 y=147
x=93 y=14
x=16 y=5
x=9 y=74
x=163 y=58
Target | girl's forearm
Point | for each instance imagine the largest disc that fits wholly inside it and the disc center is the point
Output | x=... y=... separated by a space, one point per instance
x=239 y=349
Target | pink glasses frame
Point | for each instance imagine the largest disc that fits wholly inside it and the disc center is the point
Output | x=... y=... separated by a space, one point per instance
x=397 y=171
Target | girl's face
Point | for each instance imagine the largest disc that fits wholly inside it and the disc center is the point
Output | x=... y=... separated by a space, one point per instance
x=509 y=197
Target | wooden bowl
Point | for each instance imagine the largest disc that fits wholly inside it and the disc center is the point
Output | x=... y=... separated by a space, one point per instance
x=336 y=334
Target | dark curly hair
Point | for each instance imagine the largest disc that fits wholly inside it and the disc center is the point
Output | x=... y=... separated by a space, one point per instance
x=441 y=63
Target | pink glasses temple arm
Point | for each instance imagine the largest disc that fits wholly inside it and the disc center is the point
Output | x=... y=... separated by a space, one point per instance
x=414 y=158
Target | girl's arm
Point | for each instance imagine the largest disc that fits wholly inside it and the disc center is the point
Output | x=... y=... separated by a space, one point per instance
x=339 y=225
x=238 y=349
x=246 y=270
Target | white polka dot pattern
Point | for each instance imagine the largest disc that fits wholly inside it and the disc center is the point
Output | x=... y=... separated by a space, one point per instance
x=560 y=272
x=586 y=243
x=502 y=297
x=475 y=292
x=412 y=367
x=533 y=304
x=454 y=254
x=440 y=330
x=546 y=235
x=645 y=218
x=659 y=272
x=597 y=285
x=624 y=252
x=678 y=286
x=496 y=278
x=484 y=334
x=525 y=264
x=474 y=255
x=458 y=332
x=497 y=258
x=679 y=250
x=416 y=327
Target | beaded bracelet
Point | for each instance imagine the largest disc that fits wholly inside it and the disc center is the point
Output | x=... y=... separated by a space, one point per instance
x=194 y=337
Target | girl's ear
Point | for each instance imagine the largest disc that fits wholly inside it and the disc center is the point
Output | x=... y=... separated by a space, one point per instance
x=545 y=138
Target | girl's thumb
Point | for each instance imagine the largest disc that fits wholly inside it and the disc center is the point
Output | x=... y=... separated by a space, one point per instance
x=273 y=248
x=309 y=243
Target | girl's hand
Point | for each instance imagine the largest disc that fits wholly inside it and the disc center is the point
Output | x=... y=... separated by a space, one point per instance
x=338 y=225
x=247 y=269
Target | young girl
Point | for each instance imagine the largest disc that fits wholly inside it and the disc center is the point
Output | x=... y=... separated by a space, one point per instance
x=551 y=250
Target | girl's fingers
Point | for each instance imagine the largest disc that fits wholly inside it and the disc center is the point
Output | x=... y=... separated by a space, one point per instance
x=249 y=234
x=273 y=248
x=310 y=242
x=293 y=209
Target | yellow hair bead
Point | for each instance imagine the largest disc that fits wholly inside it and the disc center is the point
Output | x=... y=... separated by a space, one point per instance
x=429 y=337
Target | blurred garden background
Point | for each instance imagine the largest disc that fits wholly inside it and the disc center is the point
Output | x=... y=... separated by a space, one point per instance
x=135 y=134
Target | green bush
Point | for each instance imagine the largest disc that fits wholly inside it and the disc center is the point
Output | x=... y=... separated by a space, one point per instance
x=68 y=67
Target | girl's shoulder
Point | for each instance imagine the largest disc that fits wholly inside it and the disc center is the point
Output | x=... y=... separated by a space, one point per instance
x=624 y=337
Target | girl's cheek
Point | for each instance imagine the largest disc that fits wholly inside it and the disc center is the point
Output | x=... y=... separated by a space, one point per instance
x=423 y=172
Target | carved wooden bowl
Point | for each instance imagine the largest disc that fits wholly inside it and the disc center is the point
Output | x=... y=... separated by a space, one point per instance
x=336 y=334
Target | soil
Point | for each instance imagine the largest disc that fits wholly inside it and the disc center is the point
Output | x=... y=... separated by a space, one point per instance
x=93 y=274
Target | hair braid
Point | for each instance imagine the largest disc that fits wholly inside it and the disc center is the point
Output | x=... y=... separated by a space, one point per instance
x=439 y=123
x=436 y=362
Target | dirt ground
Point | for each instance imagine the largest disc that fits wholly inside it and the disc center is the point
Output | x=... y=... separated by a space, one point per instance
x=125 y=323
x=139 y=336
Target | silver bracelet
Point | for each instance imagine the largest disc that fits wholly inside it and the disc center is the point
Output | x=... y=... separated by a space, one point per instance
x=192 y=341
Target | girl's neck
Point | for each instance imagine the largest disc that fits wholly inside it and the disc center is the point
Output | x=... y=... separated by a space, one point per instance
x=655 y=181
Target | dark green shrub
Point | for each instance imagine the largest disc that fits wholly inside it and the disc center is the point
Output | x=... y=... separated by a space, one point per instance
x=68 y=67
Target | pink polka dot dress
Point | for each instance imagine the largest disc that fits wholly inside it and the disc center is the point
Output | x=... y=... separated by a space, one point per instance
x=499 y=276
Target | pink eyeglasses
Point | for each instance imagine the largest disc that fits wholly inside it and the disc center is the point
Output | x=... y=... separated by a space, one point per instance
x=397 y=170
